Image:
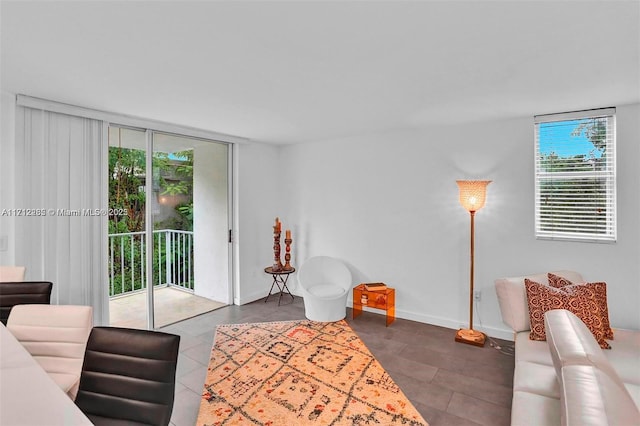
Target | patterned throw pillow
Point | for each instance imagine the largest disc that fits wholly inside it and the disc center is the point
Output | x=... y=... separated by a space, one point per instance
x=601 y=296
x=580 y=300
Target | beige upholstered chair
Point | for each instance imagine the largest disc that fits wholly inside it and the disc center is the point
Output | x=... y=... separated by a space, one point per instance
x=56 y=336
x=11 y=274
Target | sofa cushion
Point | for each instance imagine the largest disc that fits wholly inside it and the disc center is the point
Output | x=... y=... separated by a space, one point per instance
x=532 y=409
x=571 y=343
x=634 y=392
x=625 y=355
x=532 y=350
x=579 y=300
x=513 y=299
x=600 y=289
x=590 y=396
x=536 y=378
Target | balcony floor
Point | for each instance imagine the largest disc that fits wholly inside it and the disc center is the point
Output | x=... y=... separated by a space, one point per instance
x=171 y=305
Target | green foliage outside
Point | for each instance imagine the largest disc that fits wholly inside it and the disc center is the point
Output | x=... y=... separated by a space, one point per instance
x=127 y=194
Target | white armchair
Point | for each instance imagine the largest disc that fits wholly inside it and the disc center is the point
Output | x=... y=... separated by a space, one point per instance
x=325 y=283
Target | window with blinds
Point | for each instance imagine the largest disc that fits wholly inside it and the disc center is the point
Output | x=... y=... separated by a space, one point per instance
x=575 y=176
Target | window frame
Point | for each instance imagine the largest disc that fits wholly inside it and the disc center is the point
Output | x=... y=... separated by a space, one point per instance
x=607 y=176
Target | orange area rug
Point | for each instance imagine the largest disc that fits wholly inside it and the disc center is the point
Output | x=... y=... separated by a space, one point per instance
x=296 y=373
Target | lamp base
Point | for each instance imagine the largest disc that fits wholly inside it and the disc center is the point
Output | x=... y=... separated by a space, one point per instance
x=471 y=337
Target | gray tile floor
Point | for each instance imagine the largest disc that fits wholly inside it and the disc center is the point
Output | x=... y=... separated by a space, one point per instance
x=449 y=383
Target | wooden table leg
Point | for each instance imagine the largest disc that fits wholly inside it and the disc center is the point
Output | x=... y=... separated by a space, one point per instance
x=391 y=307
x=357 y=304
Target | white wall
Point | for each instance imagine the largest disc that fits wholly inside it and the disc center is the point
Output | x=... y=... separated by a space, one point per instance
x=259 y=201
x=387 y=204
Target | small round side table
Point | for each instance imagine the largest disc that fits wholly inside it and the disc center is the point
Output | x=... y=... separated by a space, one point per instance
x=279 y=280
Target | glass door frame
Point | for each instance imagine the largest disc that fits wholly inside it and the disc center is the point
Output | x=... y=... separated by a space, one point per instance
x=149 y=213
x=148 y=226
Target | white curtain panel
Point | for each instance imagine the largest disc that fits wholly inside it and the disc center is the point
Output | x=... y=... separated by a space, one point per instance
x=61 y=176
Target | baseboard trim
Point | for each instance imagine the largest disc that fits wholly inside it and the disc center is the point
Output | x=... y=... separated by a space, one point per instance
x=455 y=324
x=498 y=333
x=248 y=298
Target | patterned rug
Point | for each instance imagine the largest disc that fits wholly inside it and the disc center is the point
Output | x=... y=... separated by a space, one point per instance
x=296 y=373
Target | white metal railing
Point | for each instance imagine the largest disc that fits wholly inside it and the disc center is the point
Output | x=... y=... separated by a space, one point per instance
x=172 y=260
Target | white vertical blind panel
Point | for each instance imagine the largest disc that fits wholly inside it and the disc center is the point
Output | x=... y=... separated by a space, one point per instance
x=60 y=163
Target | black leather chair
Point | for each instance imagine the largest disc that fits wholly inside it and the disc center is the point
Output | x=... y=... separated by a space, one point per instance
x=128 y=376
x=23 y=293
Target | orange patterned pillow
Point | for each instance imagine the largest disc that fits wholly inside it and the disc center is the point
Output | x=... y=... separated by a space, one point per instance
x=601 y=296
x=580 y=300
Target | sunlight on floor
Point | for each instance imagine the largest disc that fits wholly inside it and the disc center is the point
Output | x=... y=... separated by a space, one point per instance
x=171 y=305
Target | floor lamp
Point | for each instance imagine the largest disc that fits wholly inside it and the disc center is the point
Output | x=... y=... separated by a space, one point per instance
x=472 y=197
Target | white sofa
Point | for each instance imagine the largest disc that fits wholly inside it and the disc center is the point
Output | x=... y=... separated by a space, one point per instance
x=587 y=385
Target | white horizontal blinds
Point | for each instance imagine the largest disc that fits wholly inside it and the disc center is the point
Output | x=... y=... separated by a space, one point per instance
x=575 y=176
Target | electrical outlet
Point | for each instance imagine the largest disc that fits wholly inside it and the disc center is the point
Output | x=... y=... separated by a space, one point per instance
x=477 y=295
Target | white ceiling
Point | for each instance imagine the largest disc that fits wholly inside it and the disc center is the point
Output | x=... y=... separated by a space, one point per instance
x=289 y=72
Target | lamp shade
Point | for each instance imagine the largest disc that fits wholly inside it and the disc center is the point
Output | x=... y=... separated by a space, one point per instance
x=473 y=193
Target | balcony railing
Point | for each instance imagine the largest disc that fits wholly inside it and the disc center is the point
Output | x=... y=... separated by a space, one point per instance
x=172 y=261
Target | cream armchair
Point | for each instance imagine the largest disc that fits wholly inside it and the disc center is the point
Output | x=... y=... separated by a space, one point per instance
x=56 y=336
x=325 y=283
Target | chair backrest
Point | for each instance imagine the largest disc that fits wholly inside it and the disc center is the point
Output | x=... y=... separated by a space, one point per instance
x=324 y=270
x=128 y=375
x=56 y=336
x=19 y=293
x=11 y=273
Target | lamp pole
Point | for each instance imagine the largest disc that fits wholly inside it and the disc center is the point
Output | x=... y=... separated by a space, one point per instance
x=473 y=215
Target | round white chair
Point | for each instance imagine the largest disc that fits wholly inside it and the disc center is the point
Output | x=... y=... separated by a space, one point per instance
x=325 y=283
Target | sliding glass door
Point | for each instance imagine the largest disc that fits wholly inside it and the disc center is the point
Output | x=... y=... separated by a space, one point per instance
x=191 y=226
x=169 y=252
